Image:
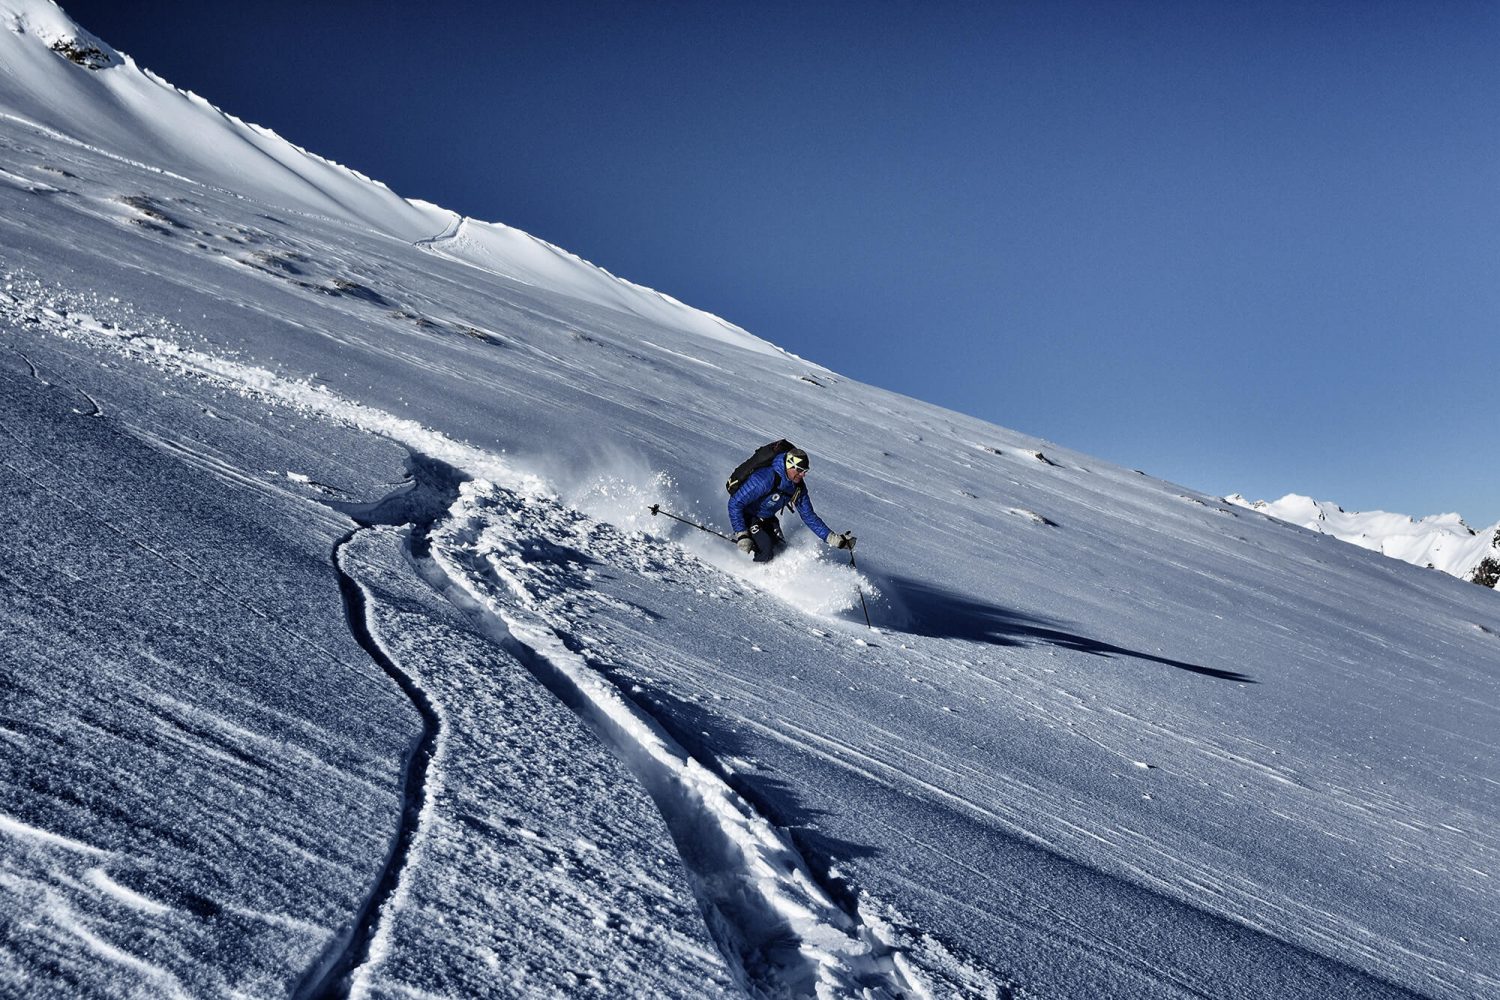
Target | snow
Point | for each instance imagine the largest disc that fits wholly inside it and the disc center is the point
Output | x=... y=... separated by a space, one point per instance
x=344 y=656
x=124 y=112
x=1441 y=541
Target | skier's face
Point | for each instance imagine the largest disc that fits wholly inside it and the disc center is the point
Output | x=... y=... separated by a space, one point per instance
x=795 y=474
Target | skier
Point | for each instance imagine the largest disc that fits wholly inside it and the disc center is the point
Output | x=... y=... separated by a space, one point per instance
x=765 y=493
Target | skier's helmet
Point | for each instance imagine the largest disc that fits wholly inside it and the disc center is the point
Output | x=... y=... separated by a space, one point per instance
x=797 y=459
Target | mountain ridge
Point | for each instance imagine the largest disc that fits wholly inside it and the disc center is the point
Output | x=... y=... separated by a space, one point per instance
x=290 y=496
x=1440 y=541
x=132 y=110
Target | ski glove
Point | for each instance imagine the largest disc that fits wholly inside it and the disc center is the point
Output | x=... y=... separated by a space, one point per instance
x=844 y=541
x=744 y=542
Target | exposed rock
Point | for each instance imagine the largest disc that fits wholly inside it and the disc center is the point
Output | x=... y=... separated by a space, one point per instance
x=85 y=55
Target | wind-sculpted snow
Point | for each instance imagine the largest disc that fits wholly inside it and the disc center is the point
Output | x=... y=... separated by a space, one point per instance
x=515 y=558
x=346 y=966
x=542 y=870
x=115 y=108
x=261 y=856
x=197 y=775
x=1110 y=737
x=844 y=732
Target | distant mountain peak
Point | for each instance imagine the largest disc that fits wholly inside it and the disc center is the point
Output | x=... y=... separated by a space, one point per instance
x=1439 y=541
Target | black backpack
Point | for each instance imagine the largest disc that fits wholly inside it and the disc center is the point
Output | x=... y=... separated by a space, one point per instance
x=763 y=457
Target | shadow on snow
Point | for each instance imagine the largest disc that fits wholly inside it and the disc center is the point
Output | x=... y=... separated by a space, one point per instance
x=925 y=609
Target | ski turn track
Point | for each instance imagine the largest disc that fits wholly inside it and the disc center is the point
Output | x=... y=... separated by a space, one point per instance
x=782 y=935
x=498 y=559
x=343 y=972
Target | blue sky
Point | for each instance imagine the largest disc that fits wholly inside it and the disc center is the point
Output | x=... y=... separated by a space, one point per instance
x=1249 y=247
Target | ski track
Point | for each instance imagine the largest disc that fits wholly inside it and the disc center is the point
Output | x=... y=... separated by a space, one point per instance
x=784 y=935
x=449 y=232
x=781 y=934
x=346 y=968
x=96 y=408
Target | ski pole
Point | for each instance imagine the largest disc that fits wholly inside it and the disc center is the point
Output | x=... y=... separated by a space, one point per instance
x=863 y=606
x=656 y=509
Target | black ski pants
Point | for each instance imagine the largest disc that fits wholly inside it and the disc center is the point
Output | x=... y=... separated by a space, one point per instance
x=766 y=534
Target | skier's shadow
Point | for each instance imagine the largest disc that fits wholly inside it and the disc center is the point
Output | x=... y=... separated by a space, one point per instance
x=921 y=608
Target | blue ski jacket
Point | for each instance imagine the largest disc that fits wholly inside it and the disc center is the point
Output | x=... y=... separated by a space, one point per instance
x=766 y=493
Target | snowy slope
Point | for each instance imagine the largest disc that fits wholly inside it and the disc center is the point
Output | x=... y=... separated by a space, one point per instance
x=122 y=110
x=1442 y=541
x=344 y=658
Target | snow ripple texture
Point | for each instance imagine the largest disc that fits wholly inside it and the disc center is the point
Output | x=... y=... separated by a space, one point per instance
x=527 y=563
